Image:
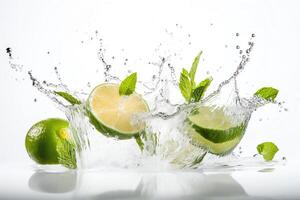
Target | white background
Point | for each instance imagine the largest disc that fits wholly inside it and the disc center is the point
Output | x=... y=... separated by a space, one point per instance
x=34 y=27
x=31 y=28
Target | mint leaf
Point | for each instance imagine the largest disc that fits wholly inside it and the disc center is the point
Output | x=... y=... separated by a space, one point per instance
x=68 y=97
x=66 y=153
x=193 y=69
x=199 y=91
x=267 y=150
x=185 y=85
x=139 y=142
x=127 y=86
x=267 y=93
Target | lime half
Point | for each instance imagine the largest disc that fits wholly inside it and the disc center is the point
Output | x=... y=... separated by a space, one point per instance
x=112 y=114
x=212 y=129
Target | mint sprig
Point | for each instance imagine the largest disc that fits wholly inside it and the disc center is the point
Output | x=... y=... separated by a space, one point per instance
x=267 y=93
x=68 y=97
x=187 y=85
x=127 y=86
x=267 y=150
x=66 y=153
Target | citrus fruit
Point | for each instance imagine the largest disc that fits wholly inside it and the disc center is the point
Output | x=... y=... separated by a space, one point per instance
x=112 y=114
x=49 y=142
x=213 y=129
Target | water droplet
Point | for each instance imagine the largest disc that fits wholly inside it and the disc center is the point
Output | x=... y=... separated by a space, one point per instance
x=112 y=57
x=35 y=100
x=241 y=51
x=8 y=51
x=226 y=45
x=255 y=155
x=237 y=47
x=260 y=119
x=253 y=35
x=283 y=158
x=237 y=34
x=285 y=109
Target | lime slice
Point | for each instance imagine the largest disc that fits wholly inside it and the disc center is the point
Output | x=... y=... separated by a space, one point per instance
x=49 y=142
x=212 y=129
x=112 y=114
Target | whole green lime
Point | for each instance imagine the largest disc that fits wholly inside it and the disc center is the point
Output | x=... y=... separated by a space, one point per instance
x=49 y=142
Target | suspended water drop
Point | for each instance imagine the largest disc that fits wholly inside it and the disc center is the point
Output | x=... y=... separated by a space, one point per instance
x=9 y=52
x=283 y=158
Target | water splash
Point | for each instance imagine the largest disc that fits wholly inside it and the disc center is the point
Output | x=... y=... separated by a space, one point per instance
x=165 y=141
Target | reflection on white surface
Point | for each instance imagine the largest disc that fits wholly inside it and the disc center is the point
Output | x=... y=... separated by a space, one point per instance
x=279 y=183
x=179 y=186
x=52 y=182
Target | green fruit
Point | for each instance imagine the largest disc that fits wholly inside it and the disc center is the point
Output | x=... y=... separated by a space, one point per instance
x=212 y=129
x=49 y=142
x=112 y=113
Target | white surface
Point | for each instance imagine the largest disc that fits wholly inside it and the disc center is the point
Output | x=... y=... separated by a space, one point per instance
x=31 y=28
x=269 y=183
